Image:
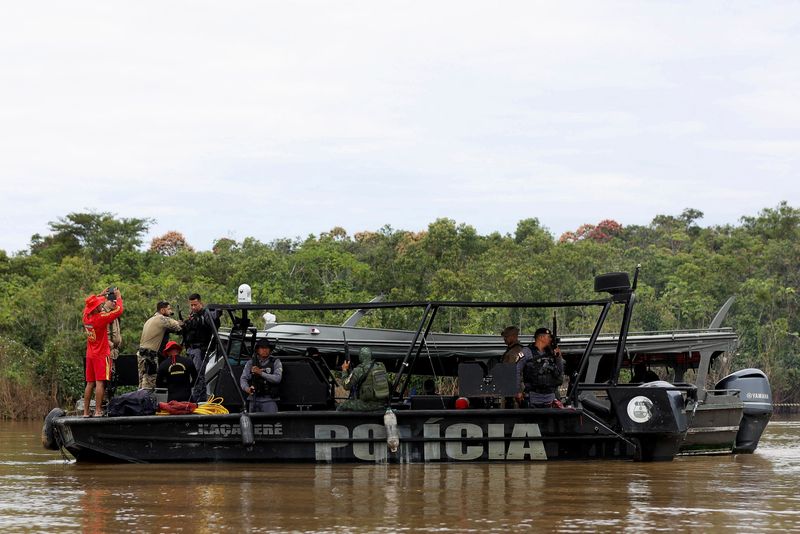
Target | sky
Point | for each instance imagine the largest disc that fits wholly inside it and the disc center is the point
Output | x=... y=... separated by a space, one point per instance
x=283 y=119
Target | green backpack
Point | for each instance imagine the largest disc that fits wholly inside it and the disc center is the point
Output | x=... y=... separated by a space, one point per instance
x=376 y=384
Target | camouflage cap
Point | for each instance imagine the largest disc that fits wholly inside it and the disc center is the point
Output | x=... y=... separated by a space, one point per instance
x=509 y=330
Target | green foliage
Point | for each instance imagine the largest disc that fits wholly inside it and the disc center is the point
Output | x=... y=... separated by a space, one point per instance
x=688 y=271
x=17 y=376
x=97 y=235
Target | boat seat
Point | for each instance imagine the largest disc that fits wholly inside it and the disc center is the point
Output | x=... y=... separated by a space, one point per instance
x=303 y=385
x=127 y=370
x=591 y=402
x=475 y=380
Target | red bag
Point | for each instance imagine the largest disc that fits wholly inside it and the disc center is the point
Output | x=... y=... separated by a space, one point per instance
x=177 y=407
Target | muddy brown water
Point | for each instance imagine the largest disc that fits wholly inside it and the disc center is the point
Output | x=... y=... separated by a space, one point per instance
x=39 y=492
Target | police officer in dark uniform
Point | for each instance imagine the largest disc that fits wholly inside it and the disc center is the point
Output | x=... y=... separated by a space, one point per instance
x=542 y=370
x=197 y=333
x=261 y=377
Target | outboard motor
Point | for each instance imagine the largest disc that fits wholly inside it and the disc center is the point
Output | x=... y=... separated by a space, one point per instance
x=756 y=395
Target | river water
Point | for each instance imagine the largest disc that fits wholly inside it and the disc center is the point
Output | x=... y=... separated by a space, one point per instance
x=39 y=492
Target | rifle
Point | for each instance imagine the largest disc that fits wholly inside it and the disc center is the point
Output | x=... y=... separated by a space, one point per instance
x=554 y=340
x=183 y=329
x=347 y=359
x=346 y=348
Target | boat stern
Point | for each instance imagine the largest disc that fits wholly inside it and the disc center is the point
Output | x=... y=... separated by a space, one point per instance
x=653 y=417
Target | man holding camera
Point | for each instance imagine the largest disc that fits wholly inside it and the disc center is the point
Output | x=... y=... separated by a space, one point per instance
x=98 y=353
x=154 y=337
x=542 y=371
x=197 y=334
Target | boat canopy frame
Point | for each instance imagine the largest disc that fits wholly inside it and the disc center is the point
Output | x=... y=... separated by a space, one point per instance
x=624 y=295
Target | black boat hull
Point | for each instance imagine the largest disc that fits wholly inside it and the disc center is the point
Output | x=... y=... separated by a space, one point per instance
x=334 y=437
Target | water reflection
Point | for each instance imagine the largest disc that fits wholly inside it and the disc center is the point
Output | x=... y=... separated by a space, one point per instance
x=749 y=493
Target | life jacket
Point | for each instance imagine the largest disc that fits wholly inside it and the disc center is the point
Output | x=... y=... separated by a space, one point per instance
x=375 y=385
x=540 y=373
x=262 y=387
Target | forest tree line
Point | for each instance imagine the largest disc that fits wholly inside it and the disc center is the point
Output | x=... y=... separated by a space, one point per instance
x=687 y=273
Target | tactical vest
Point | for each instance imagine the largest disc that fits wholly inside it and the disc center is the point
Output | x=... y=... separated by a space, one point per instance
x=262 y=387
x=541 y=374
x=375 y=386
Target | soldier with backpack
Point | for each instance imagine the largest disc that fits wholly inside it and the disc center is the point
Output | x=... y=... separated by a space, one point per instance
x=369 y=384
x=542 y=371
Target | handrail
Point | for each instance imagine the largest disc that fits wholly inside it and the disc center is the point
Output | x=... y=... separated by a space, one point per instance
x=410 y=304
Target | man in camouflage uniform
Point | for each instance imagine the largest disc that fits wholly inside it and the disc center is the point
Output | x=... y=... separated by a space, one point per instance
x=155 y=334
x=354 y=381
x=114 y=343
x=513 y=354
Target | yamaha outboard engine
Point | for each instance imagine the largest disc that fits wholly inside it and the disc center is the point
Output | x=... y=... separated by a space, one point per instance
x=756 y=395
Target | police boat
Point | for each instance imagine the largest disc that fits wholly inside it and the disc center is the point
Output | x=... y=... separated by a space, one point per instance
x=604 y=417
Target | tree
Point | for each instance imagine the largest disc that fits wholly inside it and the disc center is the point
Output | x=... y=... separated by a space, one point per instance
x=170 y=244
x=782 y=222
x=533 y=235
x=98 y=235
x=605 y=230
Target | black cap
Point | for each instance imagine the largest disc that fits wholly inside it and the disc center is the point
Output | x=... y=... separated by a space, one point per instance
x=542 y=331
x=265 y=343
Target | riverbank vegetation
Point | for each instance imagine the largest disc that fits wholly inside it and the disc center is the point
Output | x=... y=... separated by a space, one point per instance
x=688 y=271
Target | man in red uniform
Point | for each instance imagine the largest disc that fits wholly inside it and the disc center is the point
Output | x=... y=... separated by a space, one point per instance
x=98 y=352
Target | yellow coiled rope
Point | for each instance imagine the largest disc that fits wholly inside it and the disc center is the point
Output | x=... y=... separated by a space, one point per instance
x=212 y=407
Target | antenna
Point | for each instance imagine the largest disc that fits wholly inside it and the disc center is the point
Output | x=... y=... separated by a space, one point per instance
x=636 y=276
